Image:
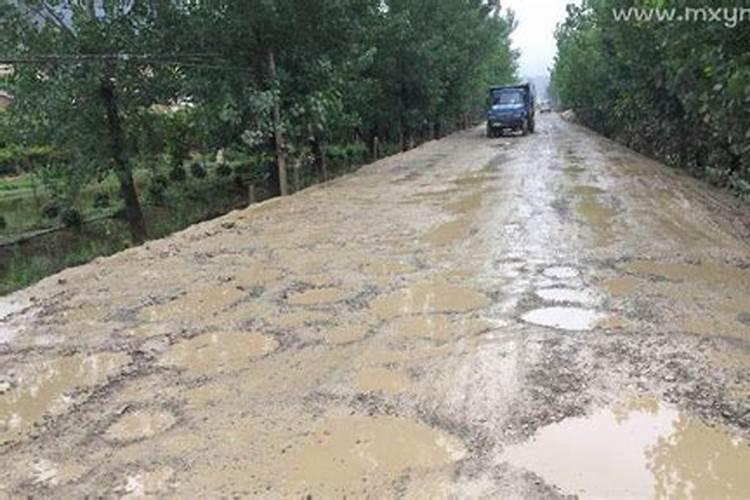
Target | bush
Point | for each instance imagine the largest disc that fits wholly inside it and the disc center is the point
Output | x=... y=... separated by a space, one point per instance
x=177 y=173
x=223 y=170
x=71 y=218
x=156 y=190
x=197 y=170
x=3 y=223
x=50 y=210
x=101 y=200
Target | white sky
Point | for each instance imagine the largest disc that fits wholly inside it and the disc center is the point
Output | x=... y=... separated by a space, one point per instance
x=535 y=35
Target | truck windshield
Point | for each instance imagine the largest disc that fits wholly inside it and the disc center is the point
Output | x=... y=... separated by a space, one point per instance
x=507 y=98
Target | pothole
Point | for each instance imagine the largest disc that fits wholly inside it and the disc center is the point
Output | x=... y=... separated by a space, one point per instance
x=428 y=298
x=349 y=455
x=381 y=379
x=656 y=451
x=196 y=305
x=344 y=334
x=219 y=351
x=564 y=318
x=140 y=424
x=43 y=388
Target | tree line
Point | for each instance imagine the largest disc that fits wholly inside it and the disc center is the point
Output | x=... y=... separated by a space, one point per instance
x=674 y=90
x=108 y=86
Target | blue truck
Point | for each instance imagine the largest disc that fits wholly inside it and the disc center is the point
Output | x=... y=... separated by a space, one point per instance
x=510 y=107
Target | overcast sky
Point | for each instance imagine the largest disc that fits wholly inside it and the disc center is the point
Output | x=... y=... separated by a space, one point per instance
x=535 y=35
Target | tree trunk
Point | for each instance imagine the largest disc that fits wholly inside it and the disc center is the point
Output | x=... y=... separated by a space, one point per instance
x=123 y=169
x=278 y=137
x=317 y=151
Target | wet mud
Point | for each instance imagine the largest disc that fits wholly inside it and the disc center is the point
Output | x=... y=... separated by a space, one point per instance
x=508 y=318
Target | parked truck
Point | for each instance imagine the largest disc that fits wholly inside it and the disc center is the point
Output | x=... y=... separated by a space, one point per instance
x=510 y=107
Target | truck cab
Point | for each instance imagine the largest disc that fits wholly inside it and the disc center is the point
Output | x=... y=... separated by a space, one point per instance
x=510 y=107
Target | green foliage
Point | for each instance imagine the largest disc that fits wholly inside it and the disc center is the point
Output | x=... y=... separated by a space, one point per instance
x=197 y=170
x=177 y=173
x=677 y=91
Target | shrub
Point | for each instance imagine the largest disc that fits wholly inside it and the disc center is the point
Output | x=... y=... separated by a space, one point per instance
x=3 y=223
x=50 y=210
x=71 y=218
x=197 y=170
x=101 y=200
x=223 y=170
x=177 y=173
x=156 y=190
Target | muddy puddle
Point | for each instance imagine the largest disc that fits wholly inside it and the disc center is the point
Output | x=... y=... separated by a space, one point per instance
x=218 y=352
x=194 y=305
x=447 y=232
x=380 y=379
x=48 y=387
x=642 y=450
x=427 y=298
x=349 y=456
x=140 y=424
x=565 y=318
x=597 y=215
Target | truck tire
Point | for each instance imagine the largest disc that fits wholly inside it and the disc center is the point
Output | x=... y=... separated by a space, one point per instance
x=525 y=128
x=532 y=126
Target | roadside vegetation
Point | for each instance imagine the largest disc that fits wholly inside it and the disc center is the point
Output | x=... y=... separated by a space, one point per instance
x=130 y=120
x=677 y=92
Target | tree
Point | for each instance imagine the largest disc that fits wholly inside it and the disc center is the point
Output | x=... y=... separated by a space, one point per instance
x=84 y=77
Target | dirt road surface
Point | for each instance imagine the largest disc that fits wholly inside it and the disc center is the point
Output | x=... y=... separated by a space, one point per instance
x=534 y=317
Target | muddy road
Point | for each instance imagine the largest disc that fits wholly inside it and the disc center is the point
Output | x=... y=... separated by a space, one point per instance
x=535 y=317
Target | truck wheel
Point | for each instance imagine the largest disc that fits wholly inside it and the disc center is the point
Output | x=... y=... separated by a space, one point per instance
x=490 y=133
x=525 y=128
x=532 y=126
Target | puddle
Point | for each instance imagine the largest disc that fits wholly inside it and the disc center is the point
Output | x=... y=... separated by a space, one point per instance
x=565 y=295
x=217 y=352
x=140 y=424
x=388 y=268
x=565 y=318
x=646 y=451
x=435 y=327
x=597 y=215
x=467 y=204
x=196 y=305
x=428 y=298
x=624 y=285
x=447 y=232
x=347 y=455
x=345 y=333
x=45 y=388
x=561 y=272
x=381 y=380
x=256 y=275
x=315 y=296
